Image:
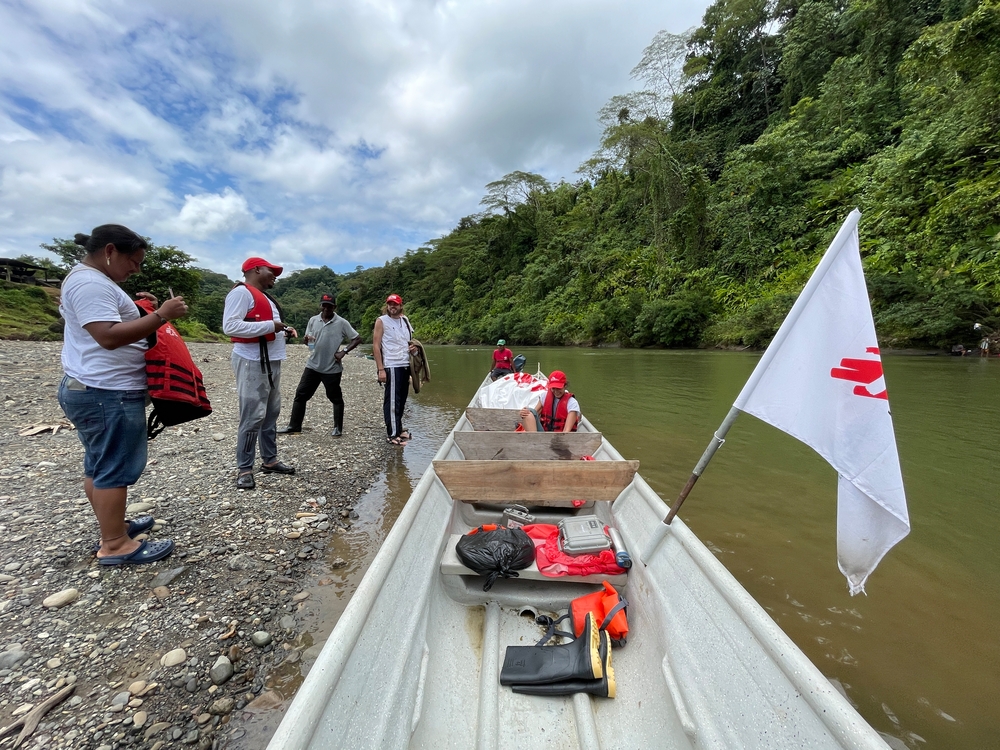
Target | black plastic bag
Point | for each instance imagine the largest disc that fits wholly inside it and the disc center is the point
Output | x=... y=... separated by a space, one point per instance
x=496 y=552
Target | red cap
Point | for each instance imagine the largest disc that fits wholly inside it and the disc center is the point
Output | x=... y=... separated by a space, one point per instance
x=557 y=379
x=251 y=263
x=327 y=299
x=395 y=299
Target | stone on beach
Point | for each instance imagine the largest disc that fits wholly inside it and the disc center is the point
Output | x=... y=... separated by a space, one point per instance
x=10 y=659
x=61 y=599
x=173 y=658
x=140 y=507
x=221 y=671
x=166 y=577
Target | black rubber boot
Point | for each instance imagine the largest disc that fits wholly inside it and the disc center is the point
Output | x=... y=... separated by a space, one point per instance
x=338 y=420
x=536 y=665
x=295 y=420
x=603 y=687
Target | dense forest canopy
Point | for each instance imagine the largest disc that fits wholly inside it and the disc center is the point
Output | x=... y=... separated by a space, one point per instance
x=718 y=185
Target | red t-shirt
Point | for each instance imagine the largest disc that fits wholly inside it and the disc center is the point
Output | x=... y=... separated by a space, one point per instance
x=503 y=358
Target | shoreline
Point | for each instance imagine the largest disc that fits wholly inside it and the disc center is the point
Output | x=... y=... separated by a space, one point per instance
x=242 y=567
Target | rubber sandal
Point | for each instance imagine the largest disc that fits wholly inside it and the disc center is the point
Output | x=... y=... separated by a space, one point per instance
x=395 y=441
x=277 y=468
x=245 y=481
x=148 y=552
x=405 y=435
x=137 y=526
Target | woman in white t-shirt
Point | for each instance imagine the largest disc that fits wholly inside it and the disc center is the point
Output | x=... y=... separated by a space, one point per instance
x=104 y=389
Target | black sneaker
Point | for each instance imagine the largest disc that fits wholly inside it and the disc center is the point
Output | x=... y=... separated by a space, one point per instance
x=277 y=468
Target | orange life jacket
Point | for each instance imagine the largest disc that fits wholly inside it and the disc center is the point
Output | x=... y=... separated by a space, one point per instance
x=554 y=419
x=260 y=311
x=609 y=611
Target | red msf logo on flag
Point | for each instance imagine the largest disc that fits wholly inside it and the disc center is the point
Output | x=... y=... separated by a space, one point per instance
x=864 y=371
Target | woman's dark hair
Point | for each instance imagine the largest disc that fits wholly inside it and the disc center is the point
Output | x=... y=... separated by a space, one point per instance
x=124 y=239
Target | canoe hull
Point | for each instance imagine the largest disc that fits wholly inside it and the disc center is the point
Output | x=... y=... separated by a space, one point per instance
x=414 y=660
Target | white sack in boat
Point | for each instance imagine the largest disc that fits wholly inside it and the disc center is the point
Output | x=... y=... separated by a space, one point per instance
x=511 y=392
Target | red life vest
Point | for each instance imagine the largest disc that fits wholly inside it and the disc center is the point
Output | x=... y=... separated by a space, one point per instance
x=173 y=380
x=556 y=424
x=260 y=311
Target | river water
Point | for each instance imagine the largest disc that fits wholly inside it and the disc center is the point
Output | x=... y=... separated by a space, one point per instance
x=919 y=656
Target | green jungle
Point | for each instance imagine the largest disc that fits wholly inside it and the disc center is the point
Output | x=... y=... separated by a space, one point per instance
x=716 y=187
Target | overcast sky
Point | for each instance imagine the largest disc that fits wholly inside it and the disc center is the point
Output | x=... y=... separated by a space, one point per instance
x=337 y=132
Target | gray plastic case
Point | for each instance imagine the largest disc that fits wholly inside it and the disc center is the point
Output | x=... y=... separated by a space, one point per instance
x=582 y=535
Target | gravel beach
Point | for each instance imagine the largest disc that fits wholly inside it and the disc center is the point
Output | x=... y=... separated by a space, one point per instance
x=167 y=654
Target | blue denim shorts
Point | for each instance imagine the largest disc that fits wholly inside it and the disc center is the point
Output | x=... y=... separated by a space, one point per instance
x=112 y=428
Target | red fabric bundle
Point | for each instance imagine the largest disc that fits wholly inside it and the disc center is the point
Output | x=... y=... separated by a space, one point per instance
x=552 y=561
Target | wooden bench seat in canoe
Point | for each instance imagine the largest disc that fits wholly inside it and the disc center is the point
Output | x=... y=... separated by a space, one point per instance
x=535 y=483
x=493 y=420
x=535 y=446
x=452 y=565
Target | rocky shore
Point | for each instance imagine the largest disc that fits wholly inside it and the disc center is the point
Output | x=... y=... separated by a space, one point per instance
x=168 y=654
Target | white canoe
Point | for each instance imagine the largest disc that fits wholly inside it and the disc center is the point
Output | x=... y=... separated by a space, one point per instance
x=414 y=661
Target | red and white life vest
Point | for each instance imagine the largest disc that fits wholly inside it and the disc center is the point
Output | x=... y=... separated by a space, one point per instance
x=260 y=311
x=555 y=422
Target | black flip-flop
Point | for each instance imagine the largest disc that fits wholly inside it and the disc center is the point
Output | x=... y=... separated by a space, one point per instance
x=136 y=526
x=396 y=441
x=148 y=552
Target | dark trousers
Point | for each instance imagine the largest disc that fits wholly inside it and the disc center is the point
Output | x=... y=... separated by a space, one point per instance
x=308 y=384
x=397 y=388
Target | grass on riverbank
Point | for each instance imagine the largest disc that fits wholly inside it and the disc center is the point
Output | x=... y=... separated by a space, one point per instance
x=29 y=313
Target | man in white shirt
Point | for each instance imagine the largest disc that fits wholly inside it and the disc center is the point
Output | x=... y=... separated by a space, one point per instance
x=252 y=320
x=324 y=334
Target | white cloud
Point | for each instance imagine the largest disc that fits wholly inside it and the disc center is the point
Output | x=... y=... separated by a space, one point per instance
x=208 y=214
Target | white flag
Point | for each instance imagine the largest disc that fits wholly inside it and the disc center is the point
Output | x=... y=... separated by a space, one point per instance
x=821 y=381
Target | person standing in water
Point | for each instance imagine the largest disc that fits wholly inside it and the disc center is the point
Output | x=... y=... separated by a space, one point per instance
x=392 y=348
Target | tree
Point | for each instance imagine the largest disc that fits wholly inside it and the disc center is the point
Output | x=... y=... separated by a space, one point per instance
x=68 y=251
x=513 y=189
x=661 y=69
x=164 y=268
x=212 y=290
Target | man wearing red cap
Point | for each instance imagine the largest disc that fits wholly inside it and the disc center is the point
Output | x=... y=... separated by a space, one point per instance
x=392 y=348
x=559 y=412
x=252 y=320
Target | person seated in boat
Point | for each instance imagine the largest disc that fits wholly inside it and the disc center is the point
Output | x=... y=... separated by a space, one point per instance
x=503 y=361
x=558 y=412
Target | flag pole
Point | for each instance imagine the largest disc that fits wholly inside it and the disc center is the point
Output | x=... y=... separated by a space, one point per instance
x=839 y=242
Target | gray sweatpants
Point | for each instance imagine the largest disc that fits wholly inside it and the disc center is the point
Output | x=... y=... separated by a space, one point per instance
x=260 y=405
